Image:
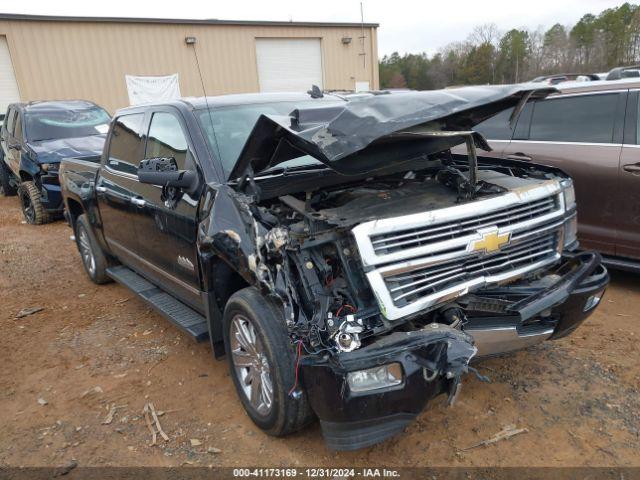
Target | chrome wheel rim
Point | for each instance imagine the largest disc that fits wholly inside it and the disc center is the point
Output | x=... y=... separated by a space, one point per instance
x=251 y=365
x=27 y=207
x=85 y=251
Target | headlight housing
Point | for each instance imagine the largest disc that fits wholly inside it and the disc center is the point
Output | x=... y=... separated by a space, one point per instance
x=375 y=378
x=571 y=223
x=569 y=194
x=49 y=167
x=571 y=231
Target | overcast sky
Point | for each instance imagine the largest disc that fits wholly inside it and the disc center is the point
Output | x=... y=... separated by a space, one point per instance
x=405 y=25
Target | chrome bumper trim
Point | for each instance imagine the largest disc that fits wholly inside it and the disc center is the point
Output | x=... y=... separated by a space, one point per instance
x=496 y=340
x=391 y=312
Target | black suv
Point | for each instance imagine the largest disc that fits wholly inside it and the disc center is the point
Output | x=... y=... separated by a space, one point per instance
x=35 y=137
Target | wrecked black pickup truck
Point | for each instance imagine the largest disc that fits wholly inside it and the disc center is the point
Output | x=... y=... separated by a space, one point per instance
x=345 y=262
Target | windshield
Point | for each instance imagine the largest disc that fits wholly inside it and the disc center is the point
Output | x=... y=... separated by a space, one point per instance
x=227 y=129
x=55 y=124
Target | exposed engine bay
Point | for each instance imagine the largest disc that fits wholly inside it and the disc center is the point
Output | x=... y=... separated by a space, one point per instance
x=392 y=261
x=309 y=259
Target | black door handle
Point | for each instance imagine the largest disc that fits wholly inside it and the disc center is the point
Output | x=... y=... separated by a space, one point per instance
x=519 y=156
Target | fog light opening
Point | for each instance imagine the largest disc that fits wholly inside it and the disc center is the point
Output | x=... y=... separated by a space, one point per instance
x=375 y=378
x=593 y=301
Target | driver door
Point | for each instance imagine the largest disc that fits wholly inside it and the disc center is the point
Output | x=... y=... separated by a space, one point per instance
x=167 y=230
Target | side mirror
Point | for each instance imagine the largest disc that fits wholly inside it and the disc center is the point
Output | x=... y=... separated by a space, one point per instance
x=164 y=172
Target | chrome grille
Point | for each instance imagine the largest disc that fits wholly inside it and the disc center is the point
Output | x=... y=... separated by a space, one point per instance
x=405 y=239
x=419 y=261
x=408 y=287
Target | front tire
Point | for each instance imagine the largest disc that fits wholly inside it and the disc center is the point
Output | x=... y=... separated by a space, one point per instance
x=31 y=203
x=6 y=187
x=94 y=259
x=262 y=363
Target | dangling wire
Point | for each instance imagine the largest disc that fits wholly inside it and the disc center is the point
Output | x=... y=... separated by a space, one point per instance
x=295 y=385
x=346 y=305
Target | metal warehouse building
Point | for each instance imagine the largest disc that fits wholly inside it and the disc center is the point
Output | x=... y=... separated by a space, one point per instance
x=44 y=57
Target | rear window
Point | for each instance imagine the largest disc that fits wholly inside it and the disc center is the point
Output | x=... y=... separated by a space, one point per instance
x=55 y=124
x=584 y=118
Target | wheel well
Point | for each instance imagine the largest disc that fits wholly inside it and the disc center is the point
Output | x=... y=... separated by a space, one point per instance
x=226 y=282
x=75 y=210
x=25 y=176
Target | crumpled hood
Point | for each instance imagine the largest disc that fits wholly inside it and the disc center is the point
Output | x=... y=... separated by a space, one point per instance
x=51 y=151
x=367 y=133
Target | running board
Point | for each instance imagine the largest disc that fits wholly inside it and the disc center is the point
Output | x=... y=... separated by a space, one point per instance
x=621 y=263
x=182 y=316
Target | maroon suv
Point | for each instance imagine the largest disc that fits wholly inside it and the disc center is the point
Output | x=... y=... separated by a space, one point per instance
x=591 y=131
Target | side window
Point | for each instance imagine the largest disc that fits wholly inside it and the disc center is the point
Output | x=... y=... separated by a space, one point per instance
x=10 y=118
x=631 y=135
x=496 y=127
x=126 y=144
x=166 y=139
x=637 y=117
x=583 y=118
x=17 y=127
x=521 y=132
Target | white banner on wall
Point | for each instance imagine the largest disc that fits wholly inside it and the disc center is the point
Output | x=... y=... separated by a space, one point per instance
x=152 y=89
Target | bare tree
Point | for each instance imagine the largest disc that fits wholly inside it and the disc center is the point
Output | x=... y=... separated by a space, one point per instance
x=485 y=33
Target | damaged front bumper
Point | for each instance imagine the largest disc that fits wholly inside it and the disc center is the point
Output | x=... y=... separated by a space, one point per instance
x=432 y=361
x=50 y=192
x=539 y=312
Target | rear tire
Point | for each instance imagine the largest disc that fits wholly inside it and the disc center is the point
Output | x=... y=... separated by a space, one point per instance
x=93 y=258
x=6 y=187
x=259 y=352
x=31 y=203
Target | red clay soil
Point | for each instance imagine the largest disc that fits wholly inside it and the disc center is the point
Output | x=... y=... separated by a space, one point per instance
x=63 y=368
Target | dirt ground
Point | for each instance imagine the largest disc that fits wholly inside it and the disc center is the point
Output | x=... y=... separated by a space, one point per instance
x=91 y=348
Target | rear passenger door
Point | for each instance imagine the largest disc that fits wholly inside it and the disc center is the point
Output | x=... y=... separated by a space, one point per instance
x=4 y=132
x=628 y=194
x=117 y=183
x=12 y=145
x=167 y=230
x=582 y=135
x=17 y=142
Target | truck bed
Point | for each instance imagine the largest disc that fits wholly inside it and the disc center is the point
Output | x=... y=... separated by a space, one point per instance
x=77 y=178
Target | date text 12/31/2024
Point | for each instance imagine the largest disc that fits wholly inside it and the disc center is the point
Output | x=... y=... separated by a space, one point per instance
x=316 y=472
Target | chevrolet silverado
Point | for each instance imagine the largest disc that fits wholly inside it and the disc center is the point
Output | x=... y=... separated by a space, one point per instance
x=345 y=262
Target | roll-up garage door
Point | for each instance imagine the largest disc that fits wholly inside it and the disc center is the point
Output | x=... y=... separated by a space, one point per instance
x=289 y=64
x=8 y=86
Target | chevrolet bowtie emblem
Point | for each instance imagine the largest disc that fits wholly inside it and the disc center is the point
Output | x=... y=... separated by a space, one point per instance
x=491 y=241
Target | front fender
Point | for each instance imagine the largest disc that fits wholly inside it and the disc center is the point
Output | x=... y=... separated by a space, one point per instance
x=229 y=231
x=28 y=165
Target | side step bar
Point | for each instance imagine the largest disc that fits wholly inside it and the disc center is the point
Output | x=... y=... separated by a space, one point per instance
x=172 y=309
x=621 y=264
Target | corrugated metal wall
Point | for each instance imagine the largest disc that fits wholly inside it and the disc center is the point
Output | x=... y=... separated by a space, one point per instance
x=71 y=59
